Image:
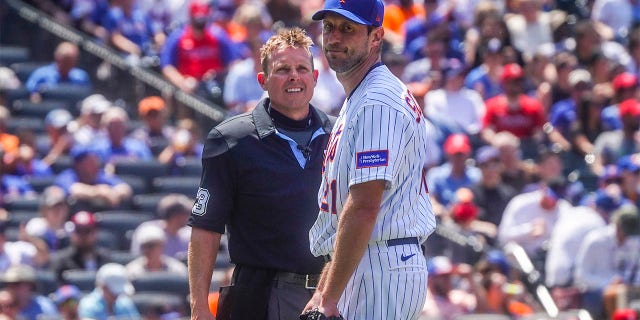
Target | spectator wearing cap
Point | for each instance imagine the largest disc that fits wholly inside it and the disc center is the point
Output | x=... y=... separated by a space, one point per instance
x=153 y=259
x=66 y=298
x=530 y=217
x=454 y=108
x=112 y=296
x=26 y=250
x=155 y=132
x=608 y=259
x=60 y=140
x=609 y=146
x=83 y=252
x=8 y=142
x=20 y=280
x=629 y=167
x=491 y=194
x=63 y=70
x=196 y=53
x=514 y=111
x=455 y=173
x=173 y=210
x=445 y=300
x=574 y=122
x=625 y=86
x=89 y=185
x=49 y=226
x=89 y=124
x=118 y=145
x=26 y=163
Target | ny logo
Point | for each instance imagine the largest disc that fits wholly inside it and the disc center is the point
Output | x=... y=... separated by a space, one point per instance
x=343 y=1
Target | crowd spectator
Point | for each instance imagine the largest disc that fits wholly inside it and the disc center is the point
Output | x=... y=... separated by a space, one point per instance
x=173 y=210
x=25 y=251
x=119 y=145
x=609 y=146
x=241 y=88
x=8 y=141
x=625 y=87
x=66 y=298
x=155 y=130
x=185 y=143
x=83 y=252
x=606 y=259
x=112 y=296
x=396 y=14
x=152 y=241
x=455 y=173
x=20 y=280
x=63 y=70
x=529 y=26
x=444 y=299
x=454 y=108
x=424 y=74
x=195 y=57
x=8 y=305
x=513 y=111
x=60 y=140
x=491 y=194
x=89 y=185
x=50 y=225
x=89 y=127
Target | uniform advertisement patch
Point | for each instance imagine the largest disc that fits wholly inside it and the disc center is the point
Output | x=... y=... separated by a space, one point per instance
x=200 y=206
x=370 y=159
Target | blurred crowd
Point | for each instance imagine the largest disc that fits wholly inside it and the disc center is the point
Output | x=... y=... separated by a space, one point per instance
x=532 y=105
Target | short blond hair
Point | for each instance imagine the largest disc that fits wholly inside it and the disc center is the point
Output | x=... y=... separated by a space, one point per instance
x=295 y=38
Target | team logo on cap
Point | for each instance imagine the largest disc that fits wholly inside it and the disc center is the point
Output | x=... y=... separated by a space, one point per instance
x=202 y=199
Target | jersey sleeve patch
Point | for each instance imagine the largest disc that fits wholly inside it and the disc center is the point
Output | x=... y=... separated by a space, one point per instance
x=202 y=199
x=371 y=159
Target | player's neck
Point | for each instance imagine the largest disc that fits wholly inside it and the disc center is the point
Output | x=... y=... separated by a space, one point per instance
x=352 y=78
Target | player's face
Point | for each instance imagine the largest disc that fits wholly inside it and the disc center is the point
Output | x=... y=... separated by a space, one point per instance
x=290 y=80
x=345 y=44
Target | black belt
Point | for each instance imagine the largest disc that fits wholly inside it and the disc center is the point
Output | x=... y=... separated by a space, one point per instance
x=390 y=243
x=308 y=281
x=247 y=275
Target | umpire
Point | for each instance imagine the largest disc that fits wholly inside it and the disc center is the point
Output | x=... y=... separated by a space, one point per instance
x=260 y=180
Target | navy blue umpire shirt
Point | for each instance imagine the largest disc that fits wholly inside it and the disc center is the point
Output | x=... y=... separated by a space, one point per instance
x=262 y=185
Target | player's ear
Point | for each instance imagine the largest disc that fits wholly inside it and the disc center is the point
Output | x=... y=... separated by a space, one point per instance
x=262 y=79
x=315 y=75
x=377 y=35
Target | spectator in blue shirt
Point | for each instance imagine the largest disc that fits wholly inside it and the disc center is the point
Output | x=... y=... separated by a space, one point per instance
x=89 y=185
x=20 y=280
x=62 y=70
x=118 y=145
x=111 y=297
x=625 y=86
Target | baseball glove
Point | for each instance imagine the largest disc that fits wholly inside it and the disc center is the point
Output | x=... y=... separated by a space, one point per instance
x=315 y=314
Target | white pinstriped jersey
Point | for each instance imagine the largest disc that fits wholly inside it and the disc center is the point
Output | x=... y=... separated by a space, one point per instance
x=379 y=135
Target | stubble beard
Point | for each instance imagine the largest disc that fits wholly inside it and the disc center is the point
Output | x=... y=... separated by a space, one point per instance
x=343 y=65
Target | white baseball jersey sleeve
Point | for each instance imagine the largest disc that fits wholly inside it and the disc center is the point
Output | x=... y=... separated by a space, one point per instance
x=379 y=135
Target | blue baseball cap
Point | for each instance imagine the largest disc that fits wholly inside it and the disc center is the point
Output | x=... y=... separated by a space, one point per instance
x=628 y=163
x=367 y=12
x=65 y=293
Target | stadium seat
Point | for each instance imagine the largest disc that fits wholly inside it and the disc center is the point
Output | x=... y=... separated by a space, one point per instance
x=122 y=223
x=71 y=94
x=122 y=256
x=20 y=124
x=107 y=239
x=39 y=183
x=147 y=202
x=145 y=169
x=22 y=204
x=46 y=282
x=12 y=95
x=138 y=184
x=24 y=69
x=85 y=280
x=176 y=184
x=26 y=108
x=12 y=54
x=165 y=282
x=190 y=166
x=18 y=217
x=153 y=305
x=61 y=164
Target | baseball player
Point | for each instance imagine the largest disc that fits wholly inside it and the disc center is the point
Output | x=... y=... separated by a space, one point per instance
x=374 y=205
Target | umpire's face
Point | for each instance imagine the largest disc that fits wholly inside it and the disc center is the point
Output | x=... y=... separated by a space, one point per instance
x=290 y=80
